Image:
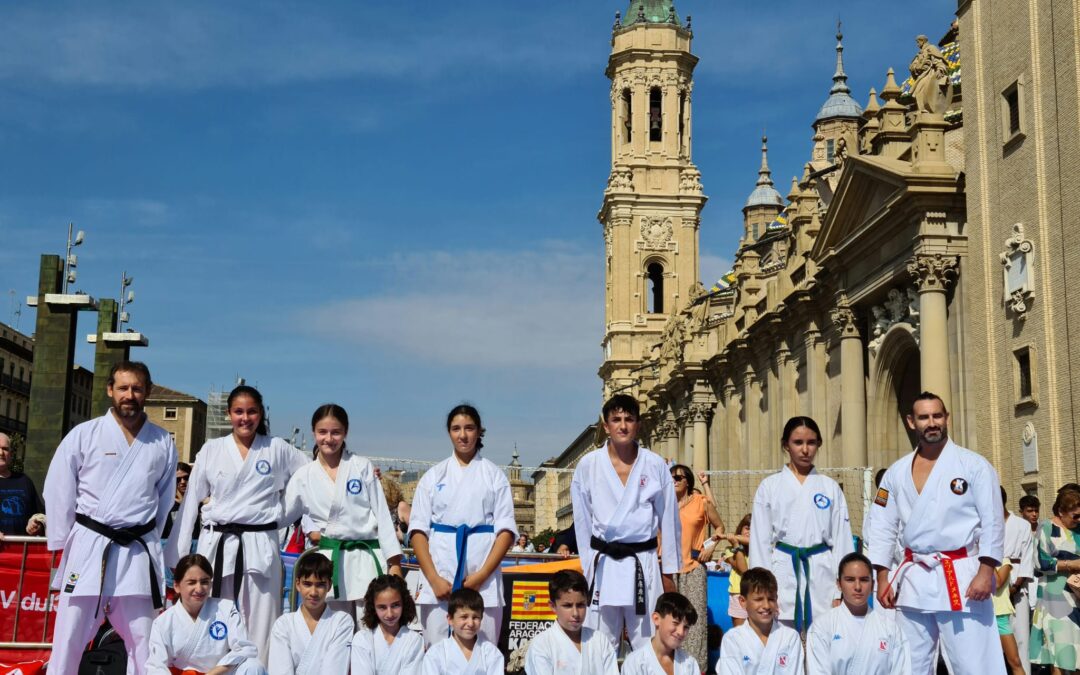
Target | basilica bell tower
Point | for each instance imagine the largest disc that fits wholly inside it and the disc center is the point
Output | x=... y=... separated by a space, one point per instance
x=653 y=200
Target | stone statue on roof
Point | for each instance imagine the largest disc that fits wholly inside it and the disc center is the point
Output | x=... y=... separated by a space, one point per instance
x=929 y=70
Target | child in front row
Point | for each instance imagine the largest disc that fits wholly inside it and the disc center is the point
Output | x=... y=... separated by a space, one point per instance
x=762 y=644
x=384 y=645
x=466 y=652
x=662 y=655
x=567 y=647
x=200 y=634
x=315 y=638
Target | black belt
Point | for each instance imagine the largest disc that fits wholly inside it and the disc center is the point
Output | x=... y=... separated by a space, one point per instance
x=124 y=536
x=237 y=530
x=620 y=550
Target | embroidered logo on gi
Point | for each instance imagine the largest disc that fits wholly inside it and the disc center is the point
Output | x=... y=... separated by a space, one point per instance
x=73 y=579
x=596 y=597
x=821 y=501
x=746 y=659
x=837 y=637
x=883 y=645
x=644 y=479
x=439 y=486
x=782 y=661
x=353 y=486
x=882 y=497
x=958 y=486
x=263 y=467
x=218 y=631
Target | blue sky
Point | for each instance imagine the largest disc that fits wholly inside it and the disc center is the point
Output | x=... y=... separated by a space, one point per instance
x=387 y=205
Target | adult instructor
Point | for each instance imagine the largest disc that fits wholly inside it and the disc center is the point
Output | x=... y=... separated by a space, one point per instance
x=109 y=488
x=942 y=505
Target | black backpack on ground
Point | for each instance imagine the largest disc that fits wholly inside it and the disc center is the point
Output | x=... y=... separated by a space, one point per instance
x=106 y=655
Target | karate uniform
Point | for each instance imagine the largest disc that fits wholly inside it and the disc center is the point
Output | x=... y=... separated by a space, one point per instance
x=372 y=656
x=216 y=638
x=452 y=496
x=553 y=653
x=244 y=492
x=1020 y=552
x=294 y=650
x=954 y=520
x=446 y=658
x=841 y=644
x=633 y=513
x=96 y=474
x=812 y=518
x=741 y=652
x=351 y=509
x=644 y=662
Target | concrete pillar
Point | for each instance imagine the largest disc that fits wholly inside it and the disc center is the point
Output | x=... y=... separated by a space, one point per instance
x=933 y=275
x=852 y=388
x=106 y=354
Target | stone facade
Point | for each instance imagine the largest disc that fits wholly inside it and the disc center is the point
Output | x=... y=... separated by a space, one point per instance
x=180 y=414
x=16 y=368
x=884 y=272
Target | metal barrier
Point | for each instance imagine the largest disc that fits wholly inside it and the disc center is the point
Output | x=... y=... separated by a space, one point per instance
x=25 y=543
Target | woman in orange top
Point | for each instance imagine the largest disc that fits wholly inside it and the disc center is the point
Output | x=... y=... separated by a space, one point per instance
x=696 y=512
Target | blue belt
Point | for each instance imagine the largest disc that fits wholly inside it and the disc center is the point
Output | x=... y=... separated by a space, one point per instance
x=462 y=532
x=804 y=613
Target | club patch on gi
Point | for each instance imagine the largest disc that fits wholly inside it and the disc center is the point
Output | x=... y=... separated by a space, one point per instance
x=882 y=497
x=883 y=645
x=353 y=486
x=73 y=579
x=821 y=501
x=959 y=486
x=644 y=479
x=218 y=630
x=782 y=661
x=263 y=467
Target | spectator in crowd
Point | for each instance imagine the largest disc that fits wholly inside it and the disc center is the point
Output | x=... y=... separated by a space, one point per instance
x=735 y=556
x=697 y=512
x=399 y=508
x=21 y=509
x=1055 y=632
x=1020 y=551
x=183 y=475
x=523 y=544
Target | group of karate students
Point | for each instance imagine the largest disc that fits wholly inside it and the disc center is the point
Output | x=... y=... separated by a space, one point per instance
x=935 y=529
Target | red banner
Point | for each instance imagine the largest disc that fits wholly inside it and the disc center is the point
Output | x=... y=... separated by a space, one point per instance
x=27 y=607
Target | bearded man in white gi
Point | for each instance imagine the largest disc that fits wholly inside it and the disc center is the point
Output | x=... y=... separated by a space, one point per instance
x=942 y=503
x=108 y=491
x=623 y=497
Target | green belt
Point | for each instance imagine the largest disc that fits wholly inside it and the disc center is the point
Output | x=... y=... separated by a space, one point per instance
x=800 y=560
x=339 y=545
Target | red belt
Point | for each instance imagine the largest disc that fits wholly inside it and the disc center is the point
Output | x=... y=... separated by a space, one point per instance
x=946 y=558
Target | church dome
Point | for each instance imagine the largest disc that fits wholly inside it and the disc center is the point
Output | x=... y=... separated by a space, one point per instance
x=839 y=103
x=764 y=193
x=654 y=11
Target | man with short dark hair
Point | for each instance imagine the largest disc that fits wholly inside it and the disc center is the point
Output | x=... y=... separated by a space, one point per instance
x=623 y=498
x=108 y=490
x=942 y=503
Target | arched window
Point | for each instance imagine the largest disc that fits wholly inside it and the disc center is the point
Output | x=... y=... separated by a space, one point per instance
x=656 y=117
x=682 y=122
x=627 y=115
x=655 y=273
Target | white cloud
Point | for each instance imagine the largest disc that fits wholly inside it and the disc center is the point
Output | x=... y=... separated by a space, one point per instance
x=533 y=309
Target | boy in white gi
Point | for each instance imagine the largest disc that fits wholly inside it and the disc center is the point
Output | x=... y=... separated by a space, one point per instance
x=672 y=619
x=385 y=645
x=1020 y=551
x=943 y=505
x=199 y=633
x=314 y=639
x=344 y=501
x=762 y=645
x=467 y=652
x=623 y=498
x=853 y=639
x=108 y=491
x=567 y=647
x=801 y=529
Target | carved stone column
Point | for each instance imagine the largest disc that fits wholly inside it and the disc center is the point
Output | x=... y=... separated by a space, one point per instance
x=671 y=437
x=684 y=453
x=852 y=388
x=728 y=454
x=753 y=453
x=700 y=414
x=933 y=275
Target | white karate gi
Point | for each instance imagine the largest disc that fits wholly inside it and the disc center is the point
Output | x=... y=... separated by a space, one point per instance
x=449 y=494
x=372 y=656
x=959 y=508
x=636 y=512
x=801 y=515
x=351 y=509
x=242 y=491
x=96 y=473
x=741 y=652
x=1020 y=551
x=644 y=662
x=553 y=653
x=446 y=658
x=294 y=650
x=216 y=638
x=841 y=644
